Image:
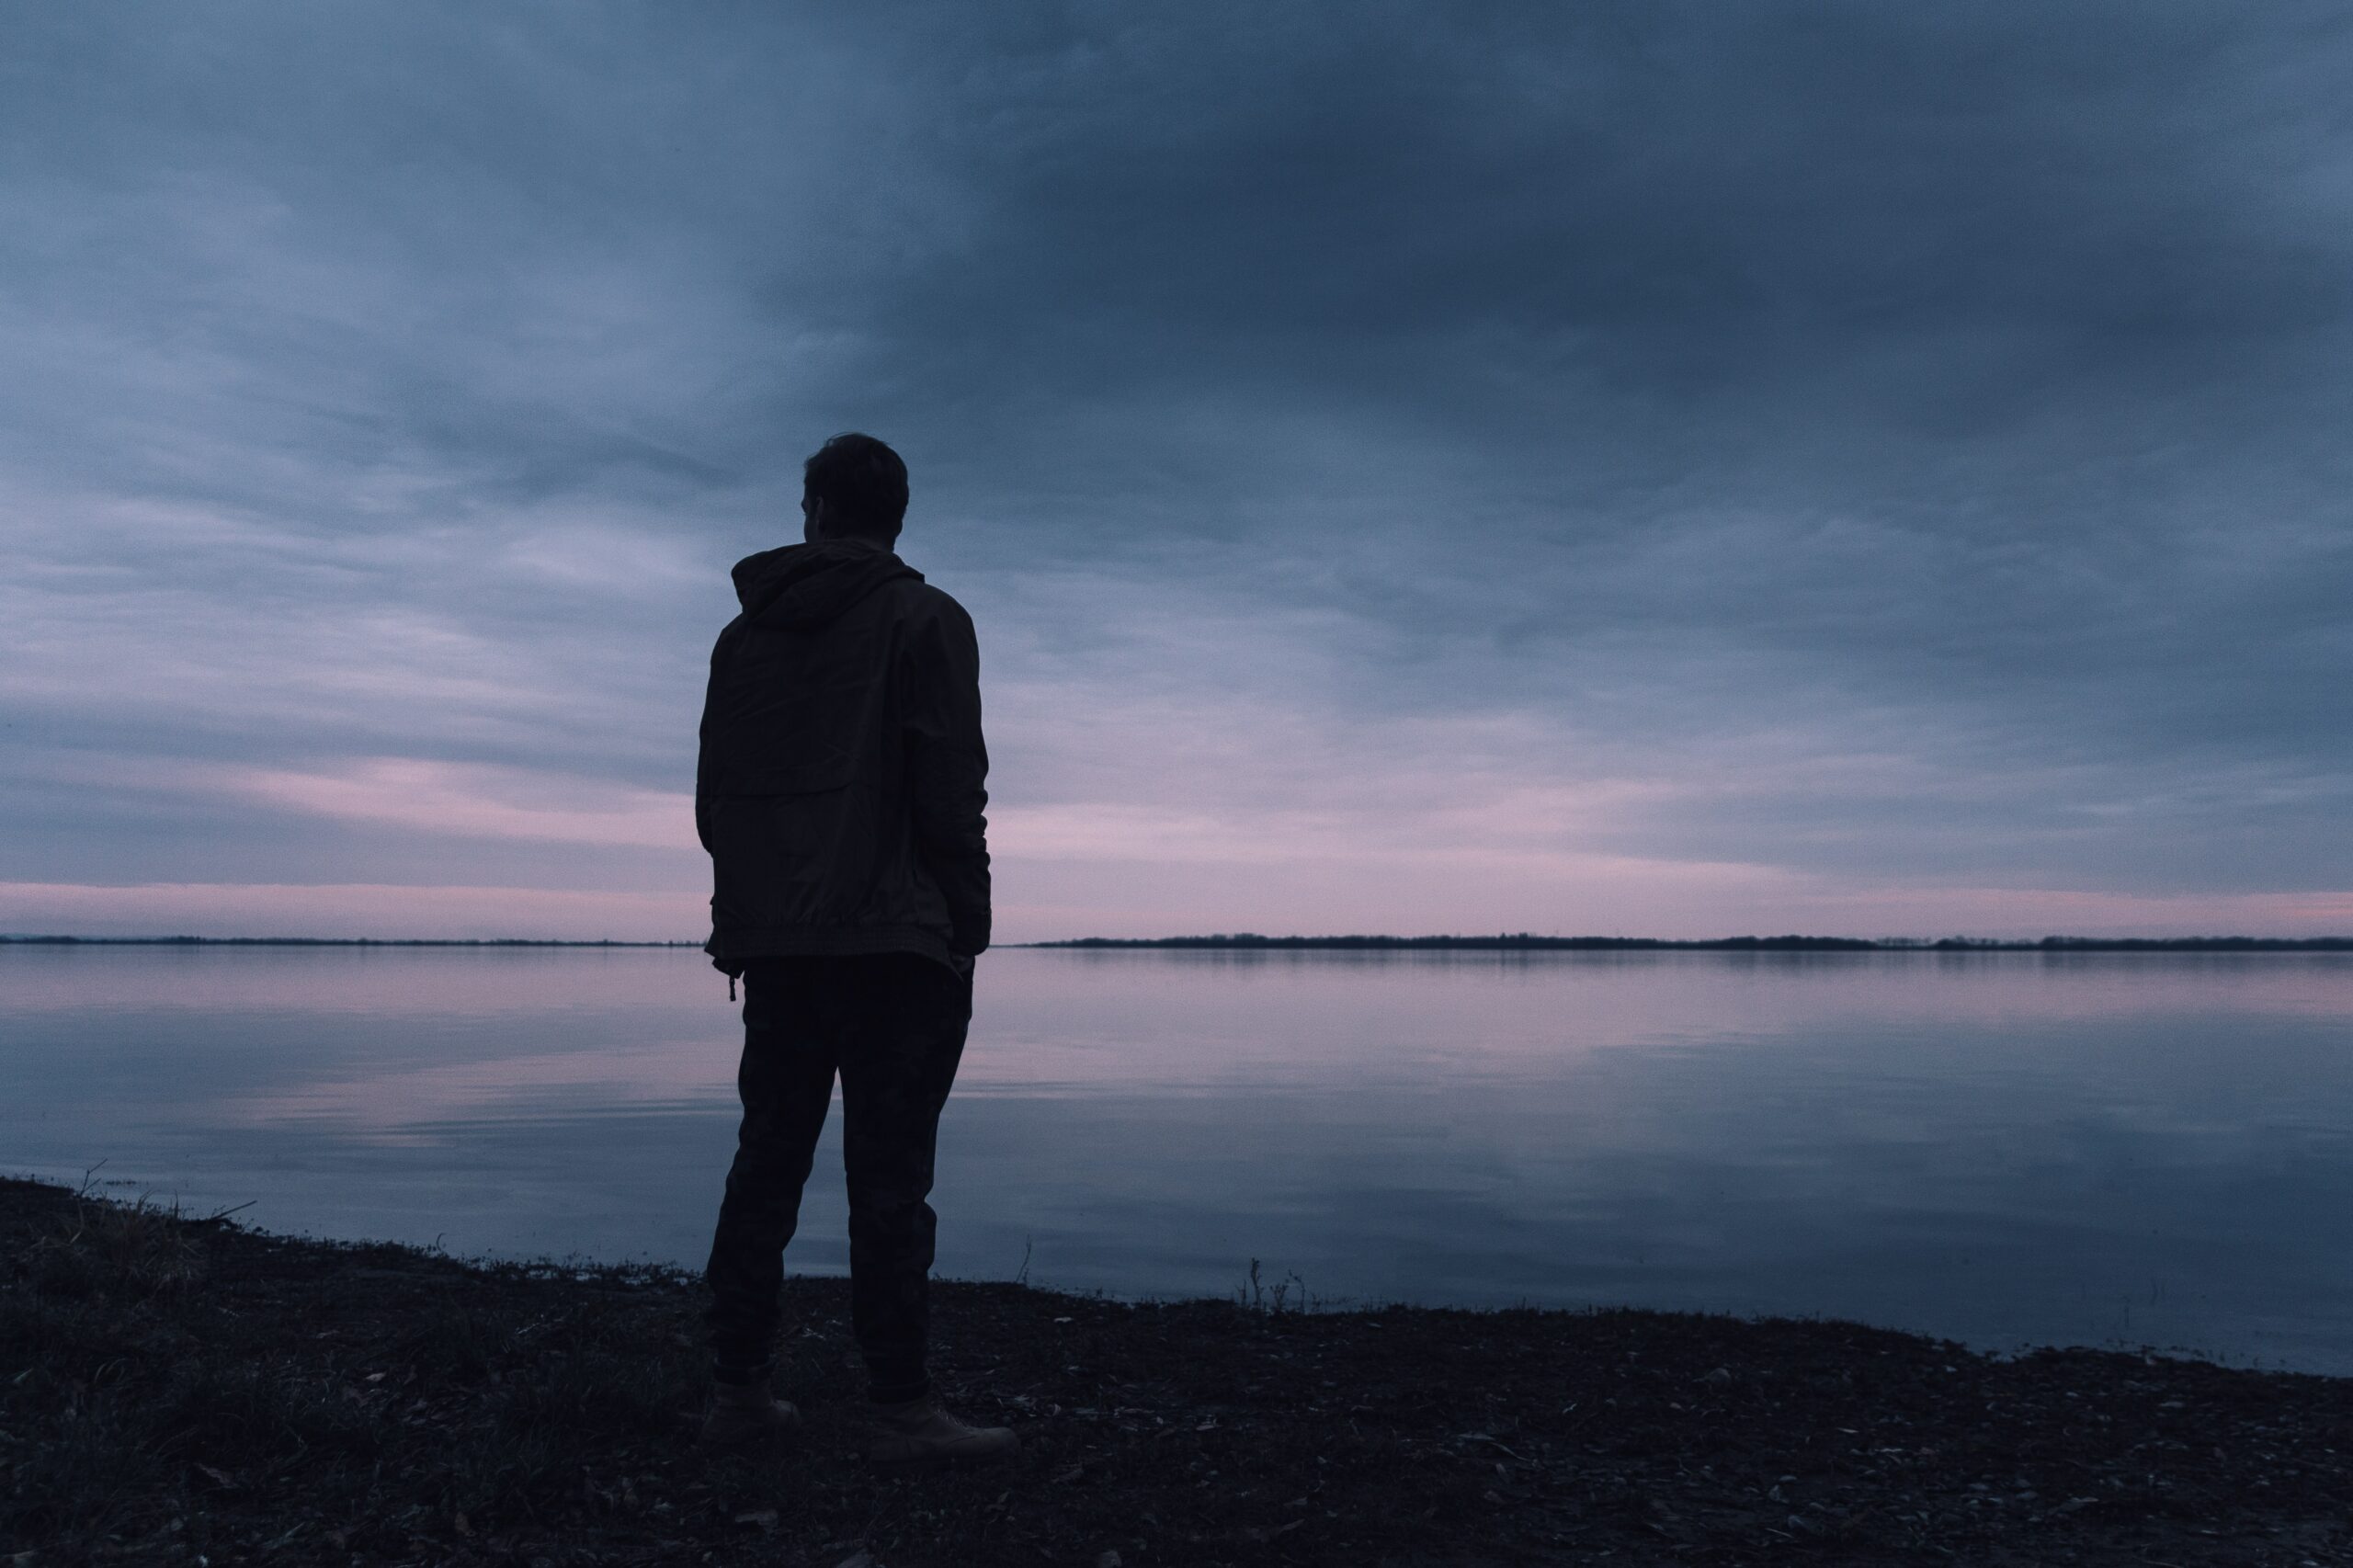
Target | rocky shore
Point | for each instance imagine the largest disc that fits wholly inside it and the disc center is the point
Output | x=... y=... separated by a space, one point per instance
x=177 y=1390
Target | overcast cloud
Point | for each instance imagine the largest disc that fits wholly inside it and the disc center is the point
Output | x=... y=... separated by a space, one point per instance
x=1648 y=468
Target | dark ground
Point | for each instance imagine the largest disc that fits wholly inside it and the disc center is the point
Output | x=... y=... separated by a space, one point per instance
x=190 y=1392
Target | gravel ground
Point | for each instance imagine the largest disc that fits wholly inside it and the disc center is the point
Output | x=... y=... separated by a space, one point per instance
x=181 y=1391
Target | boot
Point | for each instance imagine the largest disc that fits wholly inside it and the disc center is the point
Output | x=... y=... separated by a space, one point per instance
x=920 y=1432
x=747 y=1413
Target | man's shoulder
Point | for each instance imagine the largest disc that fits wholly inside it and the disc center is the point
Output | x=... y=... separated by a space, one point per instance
x=730 y=632
x=916 y=599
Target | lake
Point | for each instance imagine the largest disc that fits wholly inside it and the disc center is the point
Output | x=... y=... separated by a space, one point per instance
x=2006 y=1149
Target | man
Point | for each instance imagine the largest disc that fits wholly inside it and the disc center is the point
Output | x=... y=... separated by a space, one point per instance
x=839 y=794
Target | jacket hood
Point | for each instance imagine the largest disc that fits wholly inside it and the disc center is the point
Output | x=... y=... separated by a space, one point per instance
x=803 y=587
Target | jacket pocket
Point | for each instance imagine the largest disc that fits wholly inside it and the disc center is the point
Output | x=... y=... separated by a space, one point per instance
x=800 y=775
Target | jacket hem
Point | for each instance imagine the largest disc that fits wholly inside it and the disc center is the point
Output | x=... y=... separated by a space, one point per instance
x=731 y=952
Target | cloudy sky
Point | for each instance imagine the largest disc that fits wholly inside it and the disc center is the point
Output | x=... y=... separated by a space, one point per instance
x=1648 y=468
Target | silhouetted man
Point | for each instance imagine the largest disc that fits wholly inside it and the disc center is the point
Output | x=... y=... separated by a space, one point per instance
x=840 y=796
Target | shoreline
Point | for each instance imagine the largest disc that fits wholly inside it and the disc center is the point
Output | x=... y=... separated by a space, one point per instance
x=1523 y=942
x=176 y=1388
x=1251 y=942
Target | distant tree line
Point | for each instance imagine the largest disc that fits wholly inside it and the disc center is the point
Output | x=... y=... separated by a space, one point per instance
x=1508 y=941
x=1515 y=941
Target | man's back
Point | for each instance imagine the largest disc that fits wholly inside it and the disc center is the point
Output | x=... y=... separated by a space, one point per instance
x=840 y=794
x=840 y=791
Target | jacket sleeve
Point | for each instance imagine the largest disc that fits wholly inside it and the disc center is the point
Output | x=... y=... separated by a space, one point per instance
x=703 y=759
x=947 y=767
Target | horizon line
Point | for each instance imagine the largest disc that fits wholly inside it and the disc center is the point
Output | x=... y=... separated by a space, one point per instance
x=1251 y=941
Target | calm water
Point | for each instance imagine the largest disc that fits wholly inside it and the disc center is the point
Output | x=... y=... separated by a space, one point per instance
x=2002 y=1149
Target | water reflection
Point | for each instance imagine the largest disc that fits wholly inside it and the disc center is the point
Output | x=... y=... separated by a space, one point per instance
x=2003 y=1148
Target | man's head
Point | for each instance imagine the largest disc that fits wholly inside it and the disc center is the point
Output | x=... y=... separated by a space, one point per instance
x=854 y=487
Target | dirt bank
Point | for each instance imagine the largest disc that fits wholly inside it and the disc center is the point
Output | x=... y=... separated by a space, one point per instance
x=174 y=1391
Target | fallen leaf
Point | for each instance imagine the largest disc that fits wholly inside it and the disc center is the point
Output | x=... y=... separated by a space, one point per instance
x=464 y=1526
x=1108 y=1559
x=763 y=1517
x=220 y=1478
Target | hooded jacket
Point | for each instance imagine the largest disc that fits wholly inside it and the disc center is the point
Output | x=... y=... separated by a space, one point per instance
x=839 y=789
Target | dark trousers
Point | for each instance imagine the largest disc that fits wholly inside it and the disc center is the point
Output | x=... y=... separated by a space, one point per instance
x=893 y=1026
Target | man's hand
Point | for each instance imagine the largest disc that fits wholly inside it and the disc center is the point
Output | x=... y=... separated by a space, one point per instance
x=961 y=964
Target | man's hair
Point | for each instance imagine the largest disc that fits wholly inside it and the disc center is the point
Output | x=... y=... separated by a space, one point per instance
x=862 y=483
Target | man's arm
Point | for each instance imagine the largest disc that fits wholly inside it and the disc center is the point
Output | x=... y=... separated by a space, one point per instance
x=947 y=765
x=703 y=747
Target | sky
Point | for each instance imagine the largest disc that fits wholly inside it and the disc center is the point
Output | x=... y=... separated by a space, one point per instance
x=1648 y=469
